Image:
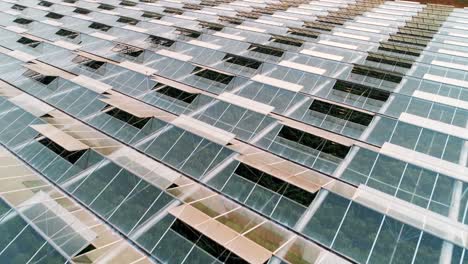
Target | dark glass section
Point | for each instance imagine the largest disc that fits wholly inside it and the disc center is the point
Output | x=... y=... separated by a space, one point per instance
x=206 y=243
x=92 y=64
x=303 y=32
x=128 y=50
x=192 y=7
x=314 y=142
x=390 y=60
x=341 y=112
x=22 y=21
x=174 y=11
x=211 y=25
x=45 y=4
x=213 y=75
x=177 y=94
x=71 y=156
x=27 y=41
x=377 y=73
x=128 y=3
x=287 y=40
x=106 y=7
x=100 y=26
x=18 y=7
x=251 y=15
x=405 y=39
x=422 y=26
x=185 y=32
x=426 y=33
x=318 y=25
x=67 y=33
x=231 y=20
x=44 y=79
x=208 y=3
x=87 y=249
x=274 y=184
x=400 y=49
x=159 y=41
x=82 y=11
x=242 y=61
x=266 y=50
x=54 y=15
x=361 y=90
x=128 y=20
x=128 y=118
x=152 y=15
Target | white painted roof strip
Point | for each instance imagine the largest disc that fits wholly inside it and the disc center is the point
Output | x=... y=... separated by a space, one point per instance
x=138 y=68
x=31 y=104
x=285 y=17
x=246 y=103
x=59 y=211
x=346 y=35
x=413 y=215
x=52 y=22
x=174 y=55
x=103 y=36
x=458 y=43
x=84 y=17
x=223 y=8
x=160 y=22
x=458 y=35
x=409 y=3
x=269 y=22
x=16 y=29
x=154 y=4
x=310 y=7
x=67 y=45
x=370 y=22
x=380 y=16
x=338 y=44
x=151 y=170
x=426 y=161
x=204 y=44
x=185 y=17
x=451 y=81
x=229 y=36
x=453 y=52
x=134 y=28
x=110 y=12
x=450 y=65
x=92 y=84
x=250 y=28
x=461 y=27
x=205 y=12
x=303 y=67
x=298 y=12
x=363 y=29
x=204 y=130
x=389 y=12
x=22 y=56
x=441 y=99
x=277 y=83
x=239 y=4
x=61 y=138
x=43 y=8
x=133 y=8
x=438 y=126
x=12 y=12
x=463 y=21
x=322 y=55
